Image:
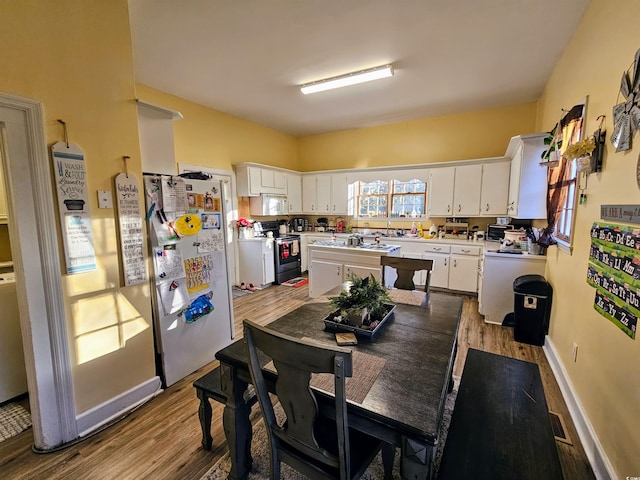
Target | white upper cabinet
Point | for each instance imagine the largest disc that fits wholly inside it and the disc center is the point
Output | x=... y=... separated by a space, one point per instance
x=325 y=194
x=339 y=194
x=441 y=184
x=466 y=193
x=455 y=191
x=528 y=181
x=495 y=189
x=309 y=200
x=253 y=181
x=294 y=193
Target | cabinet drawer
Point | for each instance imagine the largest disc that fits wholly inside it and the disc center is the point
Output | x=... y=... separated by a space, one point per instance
x=437 y=248
x=466 y=250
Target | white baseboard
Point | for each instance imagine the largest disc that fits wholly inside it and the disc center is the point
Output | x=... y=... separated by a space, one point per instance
x=100 y=415
x=598 y=459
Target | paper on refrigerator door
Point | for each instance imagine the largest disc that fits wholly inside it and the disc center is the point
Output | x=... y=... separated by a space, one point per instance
x=173 y=295
x=210 y=241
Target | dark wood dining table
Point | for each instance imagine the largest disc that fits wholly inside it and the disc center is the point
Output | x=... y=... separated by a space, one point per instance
x=405 y=403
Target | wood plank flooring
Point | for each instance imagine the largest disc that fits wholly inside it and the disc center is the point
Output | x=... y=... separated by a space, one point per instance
x=161 y=439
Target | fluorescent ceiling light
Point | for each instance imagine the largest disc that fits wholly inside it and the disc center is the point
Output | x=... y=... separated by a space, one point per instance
x=353 y=78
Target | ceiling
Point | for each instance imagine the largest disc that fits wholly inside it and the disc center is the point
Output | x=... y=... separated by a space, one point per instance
x=246 y=57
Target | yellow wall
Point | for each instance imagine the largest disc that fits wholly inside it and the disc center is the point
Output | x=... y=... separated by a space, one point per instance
x=75 y=56
x=466 y=136
x=605 y=375
x=214 y=139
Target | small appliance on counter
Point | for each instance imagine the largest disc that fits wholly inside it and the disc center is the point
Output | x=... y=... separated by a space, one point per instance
x=495 y=232
x=322 y=224
x=299 y=224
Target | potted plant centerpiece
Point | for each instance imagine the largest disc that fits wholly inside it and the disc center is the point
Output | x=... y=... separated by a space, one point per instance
x=363 y=306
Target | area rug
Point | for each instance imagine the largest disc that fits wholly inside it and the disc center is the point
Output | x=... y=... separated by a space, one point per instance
x=238 y=292
x=260 y=452
x=295 y=282
x=13 y=420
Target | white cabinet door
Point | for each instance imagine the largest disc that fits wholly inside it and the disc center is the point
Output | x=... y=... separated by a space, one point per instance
x=441 y=185
x=339 y=194
x=463 y=273
x=528 y=181
x=323 y=276
x=3 y=199
x=323 y=194
x=466 y=193
x=361 y=271
x=440 y=270
x=309 y=200
x=495 y=189
x=294 y=193
x=304 y=254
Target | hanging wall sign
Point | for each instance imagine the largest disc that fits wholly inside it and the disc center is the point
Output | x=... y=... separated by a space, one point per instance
x=130 y=224
x=614 y=271
x=621 y=213
x=73 y=207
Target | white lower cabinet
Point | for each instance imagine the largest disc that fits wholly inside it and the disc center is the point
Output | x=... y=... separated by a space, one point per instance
x=455 y=267
x=440 y=269
x=256 y=262
x=324 y=275
x=329 y=267
x=463 y=273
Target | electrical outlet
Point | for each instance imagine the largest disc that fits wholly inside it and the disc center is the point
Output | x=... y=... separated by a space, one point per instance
x=574 y=352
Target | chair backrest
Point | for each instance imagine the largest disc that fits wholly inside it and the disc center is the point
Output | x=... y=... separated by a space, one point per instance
x=295 y=360
x=406 y=268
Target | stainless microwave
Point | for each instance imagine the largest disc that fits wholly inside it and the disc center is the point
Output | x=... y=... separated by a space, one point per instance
x=495 y=232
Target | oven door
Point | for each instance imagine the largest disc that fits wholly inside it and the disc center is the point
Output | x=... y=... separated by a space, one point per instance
x=288 y=250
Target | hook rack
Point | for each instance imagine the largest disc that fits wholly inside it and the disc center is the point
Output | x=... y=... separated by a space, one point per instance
x=64 y=130
x=126 y=168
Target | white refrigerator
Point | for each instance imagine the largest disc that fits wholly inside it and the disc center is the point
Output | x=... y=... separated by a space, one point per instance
x=191 y=292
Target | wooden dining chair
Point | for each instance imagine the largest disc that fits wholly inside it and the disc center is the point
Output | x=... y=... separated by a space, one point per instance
x=406 y=269
x=318 y=447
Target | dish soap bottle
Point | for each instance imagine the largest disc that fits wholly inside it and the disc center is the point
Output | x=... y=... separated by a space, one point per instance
x=420 y=232
x=414 y=229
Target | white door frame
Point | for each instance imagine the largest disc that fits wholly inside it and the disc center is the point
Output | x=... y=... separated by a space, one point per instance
x=36 y=257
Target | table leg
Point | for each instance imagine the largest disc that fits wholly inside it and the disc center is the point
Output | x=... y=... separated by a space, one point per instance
x=204 y=413
x=417 y=460
x=237 y=426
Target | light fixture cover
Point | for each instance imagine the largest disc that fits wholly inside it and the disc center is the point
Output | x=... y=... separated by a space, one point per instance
x=352 y=78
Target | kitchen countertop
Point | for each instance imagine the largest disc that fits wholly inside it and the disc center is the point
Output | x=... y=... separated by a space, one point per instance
x=366 y=248
x=489 y=247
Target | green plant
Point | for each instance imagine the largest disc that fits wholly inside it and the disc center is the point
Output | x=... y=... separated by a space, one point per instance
x=364 y=295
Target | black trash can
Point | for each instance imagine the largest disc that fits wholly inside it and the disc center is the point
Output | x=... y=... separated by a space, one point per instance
x=532 y=308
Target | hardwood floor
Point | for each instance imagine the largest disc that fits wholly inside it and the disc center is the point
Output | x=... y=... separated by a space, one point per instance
x=161 y=439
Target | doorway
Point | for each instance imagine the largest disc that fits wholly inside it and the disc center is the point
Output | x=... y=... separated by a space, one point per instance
x=35 y=254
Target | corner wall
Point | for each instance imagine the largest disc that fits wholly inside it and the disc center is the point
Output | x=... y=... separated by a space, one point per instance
x=605 y=376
